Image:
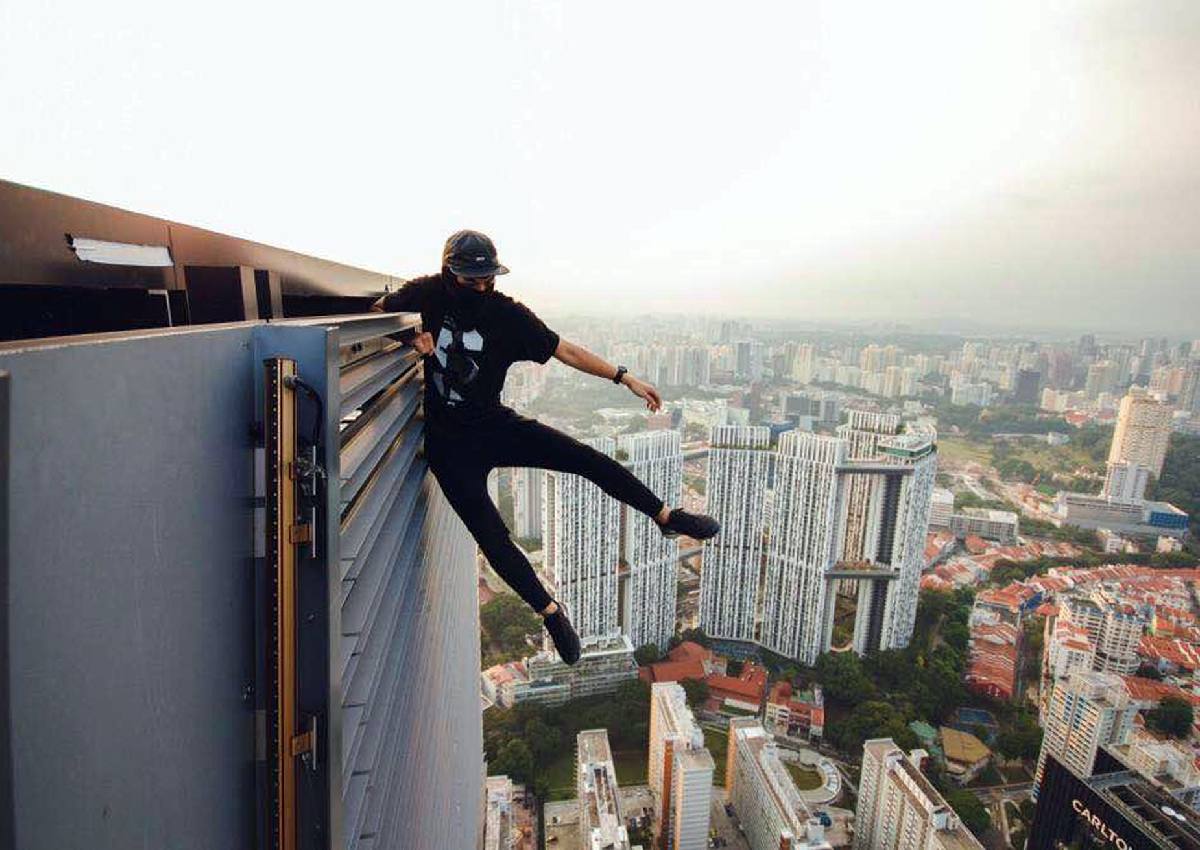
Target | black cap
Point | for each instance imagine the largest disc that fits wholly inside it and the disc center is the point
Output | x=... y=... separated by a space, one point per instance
x=471 y=254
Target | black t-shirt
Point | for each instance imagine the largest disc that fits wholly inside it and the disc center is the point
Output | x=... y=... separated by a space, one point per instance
x=474 y=344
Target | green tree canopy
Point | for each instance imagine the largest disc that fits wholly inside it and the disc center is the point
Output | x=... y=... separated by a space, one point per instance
x=1173 y=717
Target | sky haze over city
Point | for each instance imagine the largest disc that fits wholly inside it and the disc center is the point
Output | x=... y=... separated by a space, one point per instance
x=1019 y=163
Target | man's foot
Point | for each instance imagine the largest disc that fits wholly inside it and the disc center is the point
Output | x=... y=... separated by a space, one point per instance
x=696 y=526
x=563 y=633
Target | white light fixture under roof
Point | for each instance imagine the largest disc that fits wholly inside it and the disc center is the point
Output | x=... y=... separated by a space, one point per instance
x=119 y=253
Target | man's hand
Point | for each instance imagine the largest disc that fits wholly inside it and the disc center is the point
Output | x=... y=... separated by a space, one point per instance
x=643 y=390
x=377 y=305
x=423 y=343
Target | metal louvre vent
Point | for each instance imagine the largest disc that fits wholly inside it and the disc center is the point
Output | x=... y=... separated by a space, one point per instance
x=408 y=615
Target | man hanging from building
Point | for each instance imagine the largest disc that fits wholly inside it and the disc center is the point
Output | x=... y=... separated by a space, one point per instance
x=471 y=334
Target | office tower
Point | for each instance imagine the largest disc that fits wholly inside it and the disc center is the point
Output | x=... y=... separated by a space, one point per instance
x=527 y=502
x=1143 y=428
x=601 y=823
x=761 y=790
x=1108 y=806
x=1102 y=377
x=854 y=508
x=1027 y=386
x=498 y=818
x=1086 y=711
x=1087 y=345
x=738 y=461
x=898 y=807
x=682 y=785
x=580 y=536
x=1189 y=394
x=804 y=363
x=650 y=590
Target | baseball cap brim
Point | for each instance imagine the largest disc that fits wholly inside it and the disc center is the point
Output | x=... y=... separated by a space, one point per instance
x=479 y=271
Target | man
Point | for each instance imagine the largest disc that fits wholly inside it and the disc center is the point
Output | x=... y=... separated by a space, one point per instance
x=470 y=335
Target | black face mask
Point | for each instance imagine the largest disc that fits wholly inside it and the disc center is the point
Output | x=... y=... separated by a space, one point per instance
x=465 y=298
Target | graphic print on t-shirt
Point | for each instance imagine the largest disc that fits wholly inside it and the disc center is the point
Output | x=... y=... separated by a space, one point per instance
x=457 y=368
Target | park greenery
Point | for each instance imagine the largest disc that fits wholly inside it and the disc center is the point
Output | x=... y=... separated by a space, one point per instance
x=1171 y=717
x=504 y=624
x=524 y=741
x=1180 y=480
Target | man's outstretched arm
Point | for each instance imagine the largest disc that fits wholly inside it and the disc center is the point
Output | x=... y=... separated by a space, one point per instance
x=578 y=357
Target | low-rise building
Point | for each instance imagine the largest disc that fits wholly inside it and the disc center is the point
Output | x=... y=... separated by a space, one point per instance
x=1001 y=526
x=795 y=714
x=966 y=756
x=604 y=663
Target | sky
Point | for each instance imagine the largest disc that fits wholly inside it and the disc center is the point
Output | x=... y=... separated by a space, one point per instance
x=1026 y=163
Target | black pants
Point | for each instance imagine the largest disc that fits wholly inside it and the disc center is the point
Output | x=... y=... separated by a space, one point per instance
x=461 y=460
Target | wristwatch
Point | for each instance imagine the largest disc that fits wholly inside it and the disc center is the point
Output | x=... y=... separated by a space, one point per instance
x=621 y=370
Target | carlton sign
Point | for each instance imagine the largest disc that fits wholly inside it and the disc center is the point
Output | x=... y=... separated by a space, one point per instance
x=1102 y=829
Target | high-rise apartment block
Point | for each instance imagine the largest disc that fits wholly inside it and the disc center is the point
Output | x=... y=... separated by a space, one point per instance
x=654 y=457
x=680 y=769
x=601 y=822
x=852 y=507
x=498 y=816
x=527 y=502
x=1143 y=428
x=898 y=807
x=770 y=809
x=738 y=463
x=1086 y=711
x=581 y=534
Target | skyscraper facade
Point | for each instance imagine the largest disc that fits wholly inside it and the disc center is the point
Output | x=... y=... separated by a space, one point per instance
x=649 y=606
x=581 y=530
x=738 y=462
x=898 y=807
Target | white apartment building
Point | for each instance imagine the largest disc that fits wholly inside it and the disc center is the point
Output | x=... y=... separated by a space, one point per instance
x=527 y=502
x=1086 y=711
x=580 y=539
x=1001 y=526
x=1143 y=428
x=498 y=818
x=941 y=508
x=691 y=799
x=761 y=790
x=898 y=807
x=1114 y=628
x=648 y=607
x=738 y=462
x=601 y=822
x=853 y=508
x=1126 y=482
x=682 y=787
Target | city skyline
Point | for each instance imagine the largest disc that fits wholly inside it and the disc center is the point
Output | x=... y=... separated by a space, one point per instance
x=887 y=188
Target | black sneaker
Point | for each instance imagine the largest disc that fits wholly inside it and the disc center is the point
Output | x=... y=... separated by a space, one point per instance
x=563 y=633
x=697 y=526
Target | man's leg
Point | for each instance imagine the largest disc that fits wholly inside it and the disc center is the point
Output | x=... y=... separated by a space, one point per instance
x=527 y=442
x=465 y=484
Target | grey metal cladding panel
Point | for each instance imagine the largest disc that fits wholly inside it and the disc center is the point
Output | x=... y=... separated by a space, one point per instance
x=131 y=615
x=434 y=760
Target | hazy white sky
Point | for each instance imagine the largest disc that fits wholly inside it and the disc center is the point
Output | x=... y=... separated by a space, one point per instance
x=1016 y=161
